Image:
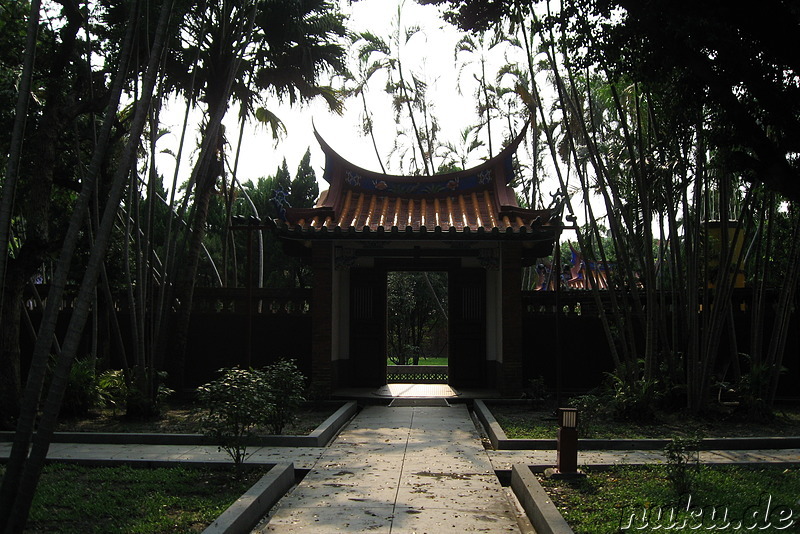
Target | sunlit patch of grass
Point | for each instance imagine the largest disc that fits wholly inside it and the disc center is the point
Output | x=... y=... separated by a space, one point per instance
x=424 y=361
x=526 y=426
x=632 y=497
x=82 y=499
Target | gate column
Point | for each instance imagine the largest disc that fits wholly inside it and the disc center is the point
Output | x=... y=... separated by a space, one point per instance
x=322 y=379
x=510 y=379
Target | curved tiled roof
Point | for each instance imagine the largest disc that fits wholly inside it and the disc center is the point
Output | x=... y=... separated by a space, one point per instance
x=474 y=203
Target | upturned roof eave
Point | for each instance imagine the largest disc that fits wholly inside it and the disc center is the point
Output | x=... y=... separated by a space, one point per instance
x=488 y=164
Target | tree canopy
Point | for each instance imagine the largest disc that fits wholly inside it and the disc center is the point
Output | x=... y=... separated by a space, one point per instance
x=729 y=67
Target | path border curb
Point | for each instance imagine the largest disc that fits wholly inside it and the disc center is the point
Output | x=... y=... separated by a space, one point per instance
x=241 y=516
x=253 y=505
x=319 y=437
x=538 y=506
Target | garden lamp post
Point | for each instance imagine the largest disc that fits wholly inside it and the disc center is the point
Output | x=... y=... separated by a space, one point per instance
x=567 y=441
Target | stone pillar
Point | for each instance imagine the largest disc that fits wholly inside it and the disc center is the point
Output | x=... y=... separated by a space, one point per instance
x=322 y=379
x=510 y=379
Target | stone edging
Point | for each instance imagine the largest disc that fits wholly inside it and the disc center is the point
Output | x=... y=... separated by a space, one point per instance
x=500 y=441
x=247 y=511
x=319 y=437
x=543 y=514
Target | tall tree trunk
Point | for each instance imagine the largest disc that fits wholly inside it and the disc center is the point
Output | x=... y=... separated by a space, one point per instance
x=370 y=129
x=17 y=134
x=209 y=169
x=786 y=306
x=10 y=385
x=417 y=135
x=210 y=166
x=36 y=247
x=23 y=471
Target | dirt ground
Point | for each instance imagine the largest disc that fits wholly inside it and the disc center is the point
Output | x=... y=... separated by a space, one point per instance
x=181 y=418
x=516 y=418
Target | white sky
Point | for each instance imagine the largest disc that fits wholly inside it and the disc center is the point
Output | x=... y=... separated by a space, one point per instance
x=430 y=54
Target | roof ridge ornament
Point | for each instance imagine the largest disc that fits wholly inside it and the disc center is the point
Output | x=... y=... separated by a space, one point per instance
x=280 y=199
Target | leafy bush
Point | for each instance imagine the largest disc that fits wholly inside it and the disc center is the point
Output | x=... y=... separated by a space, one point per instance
x=240 y=401
x=633 y=402
x=753 y=389
x=112 y=388
x=233 y=406
x=285 y=384
x=82 y=392
x=681 y=454
x=146 y=392
x=590 y=409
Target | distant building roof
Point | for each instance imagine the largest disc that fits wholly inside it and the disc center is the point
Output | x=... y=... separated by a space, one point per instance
x=476 y=203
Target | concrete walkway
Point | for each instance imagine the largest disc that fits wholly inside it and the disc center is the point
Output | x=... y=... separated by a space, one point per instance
x=400 y=470
x=397 y=470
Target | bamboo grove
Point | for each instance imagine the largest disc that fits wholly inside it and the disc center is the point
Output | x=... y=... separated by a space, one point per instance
x=652 y=153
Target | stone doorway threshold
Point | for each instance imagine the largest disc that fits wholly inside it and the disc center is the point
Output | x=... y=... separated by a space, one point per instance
x=416 y=391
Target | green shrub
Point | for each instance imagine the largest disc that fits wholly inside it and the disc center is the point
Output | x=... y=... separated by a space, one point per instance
x=112 y=388
x=590 y=410
x=285 y=385
x=635 y=401
x=535 y=389
x=240 y=401
x=753 y=389
x=145 y=392
x=681 y=455
x=232 y=406
x=82 y=393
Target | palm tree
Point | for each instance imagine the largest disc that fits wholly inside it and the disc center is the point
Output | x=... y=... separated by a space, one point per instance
x=407 y=90
x=23 y=471
x=457 y=156
x=360 y=81
x=477 y=50
x=245 y=52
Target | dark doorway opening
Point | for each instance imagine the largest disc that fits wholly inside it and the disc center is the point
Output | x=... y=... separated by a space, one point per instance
x=417 y=332
x=464 y=301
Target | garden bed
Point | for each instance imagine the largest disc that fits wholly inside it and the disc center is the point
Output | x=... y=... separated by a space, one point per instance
x=180 y=417
x=329 y=421
x=531 y=422
x=721 y=498
x=80 y=499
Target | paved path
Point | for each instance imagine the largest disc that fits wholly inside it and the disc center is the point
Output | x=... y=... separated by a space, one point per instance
x=302 y=457
x=397 y=470
x=400 y=470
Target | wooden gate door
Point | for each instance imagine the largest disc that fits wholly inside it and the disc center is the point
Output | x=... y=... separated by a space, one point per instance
x=368 y=327
x=467 y=318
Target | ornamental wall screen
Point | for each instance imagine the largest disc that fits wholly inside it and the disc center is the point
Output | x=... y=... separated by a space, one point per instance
x=467 y=223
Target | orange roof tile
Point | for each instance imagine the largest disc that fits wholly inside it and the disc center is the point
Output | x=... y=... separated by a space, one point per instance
x=474 y=202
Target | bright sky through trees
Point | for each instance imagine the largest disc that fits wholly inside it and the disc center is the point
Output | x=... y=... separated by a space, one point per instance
x=430 y=54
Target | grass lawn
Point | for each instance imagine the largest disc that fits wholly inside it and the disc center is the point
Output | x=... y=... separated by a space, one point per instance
x=81 y=499
x=524 y=422
x=764 y=499
x=426 y=361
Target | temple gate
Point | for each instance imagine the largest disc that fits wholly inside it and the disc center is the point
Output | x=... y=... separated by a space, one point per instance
x=467 y=223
